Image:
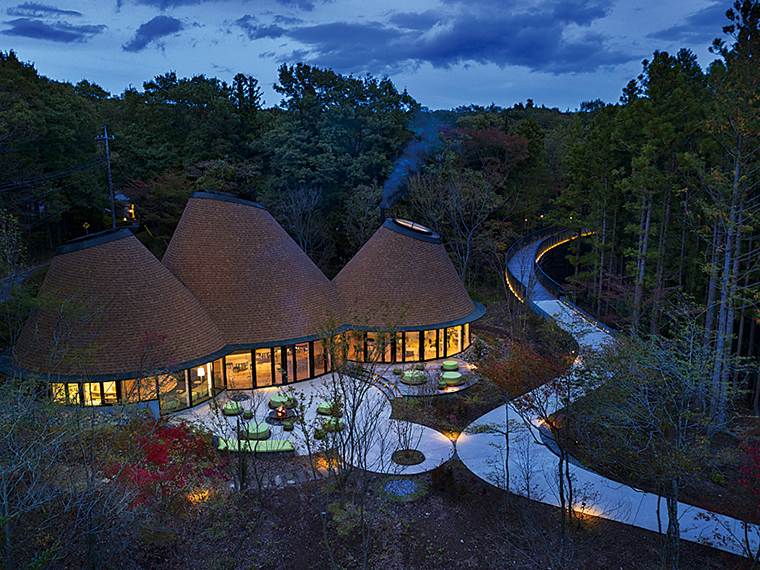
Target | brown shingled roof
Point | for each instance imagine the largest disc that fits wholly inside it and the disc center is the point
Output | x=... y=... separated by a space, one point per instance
x=402 y=278
x=104 y=297
x=254 y=280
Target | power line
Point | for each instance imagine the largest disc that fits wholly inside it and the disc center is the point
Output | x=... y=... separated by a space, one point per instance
x=43 y=178
x=55 y=189
x=59 y=211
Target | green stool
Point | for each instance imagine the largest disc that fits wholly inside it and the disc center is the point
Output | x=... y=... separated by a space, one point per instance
x=248 y=415
x=452 y=378
x=287 y=426
x=257 y=430
x=450 y=365
x=325 y=408
x=285 y=400
x=232 y=409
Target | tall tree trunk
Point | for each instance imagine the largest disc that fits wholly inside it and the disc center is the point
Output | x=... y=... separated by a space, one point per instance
x=641 y=258
x=654 y=324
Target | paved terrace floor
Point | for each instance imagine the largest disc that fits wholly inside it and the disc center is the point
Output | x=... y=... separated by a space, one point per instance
x=387 y=436
x=533 y=466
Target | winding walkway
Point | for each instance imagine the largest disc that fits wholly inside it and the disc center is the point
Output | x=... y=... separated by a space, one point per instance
x=533 y=466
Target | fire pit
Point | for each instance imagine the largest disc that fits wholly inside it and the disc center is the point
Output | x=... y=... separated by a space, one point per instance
x=280 y=415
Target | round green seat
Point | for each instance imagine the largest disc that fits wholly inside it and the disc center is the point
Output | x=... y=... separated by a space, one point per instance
x=285 y=400
x=257 y=430
x=452 y=378
x=450 y=365
x=413 y=377
x=232 y=409
x=325 y=408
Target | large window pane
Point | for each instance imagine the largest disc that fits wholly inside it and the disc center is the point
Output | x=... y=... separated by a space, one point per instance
x=355 y=340
x=453 y=340
x=109 y=393
x=218 y=373
x=412 y=352
x=200 y=383
x=92 y=396
x=66 y=393
x=302 y=361
x=319 y=357
x=263 y=367
x=139 y=390
x=291 y=371
x=400 y=347
x=239 y=376
x=441 y=343
x=430 y=345
x=279 y=371
x=172 y=391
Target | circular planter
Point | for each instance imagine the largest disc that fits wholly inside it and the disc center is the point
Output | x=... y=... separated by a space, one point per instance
x=407 y=457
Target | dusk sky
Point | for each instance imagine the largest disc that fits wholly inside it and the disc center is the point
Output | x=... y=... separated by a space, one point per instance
x=446 y=53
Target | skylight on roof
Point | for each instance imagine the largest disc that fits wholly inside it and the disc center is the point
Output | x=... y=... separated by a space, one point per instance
x=415 y=227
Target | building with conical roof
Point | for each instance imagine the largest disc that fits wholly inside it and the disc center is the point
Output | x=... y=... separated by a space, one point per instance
x=113 y=324
x=270 y=301
x=403 y=280
x=235 y=304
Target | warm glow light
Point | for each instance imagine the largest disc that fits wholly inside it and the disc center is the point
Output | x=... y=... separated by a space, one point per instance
x=201 y=372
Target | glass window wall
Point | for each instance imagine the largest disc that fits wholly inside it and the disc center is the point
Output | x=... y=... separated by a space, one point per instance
x=239 y=374
x=320 y=364
x=290 y=358
x=218 y=373
x=279 y=371
x=466 y=336
x=453 y=340
x=263 y=367
x=355 y=340
x=412 y=346
x=302 y=361
x=91 y=392
x=172 y=391
x=431 y=344
x=66 y=393
x=200 y=383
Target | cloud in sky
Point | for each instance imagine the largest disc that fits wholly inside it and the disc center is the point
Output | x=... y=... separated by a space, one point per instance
x=34 y=10
x=480 y=32
x=43 y=22
x=152 y=31
x=54 y=32
x=699 y=27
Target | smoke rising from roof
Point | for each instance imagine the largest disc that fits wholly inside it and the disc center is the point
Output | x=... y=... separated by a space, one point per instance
x=416 y=151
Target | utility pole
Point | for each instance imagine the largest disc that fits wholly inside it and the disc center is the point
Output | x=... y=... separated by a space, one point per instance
x=105 y=138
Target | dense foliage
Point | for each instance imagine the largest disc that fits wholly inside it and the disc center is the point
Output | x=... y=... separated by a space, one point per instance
x=667 y=177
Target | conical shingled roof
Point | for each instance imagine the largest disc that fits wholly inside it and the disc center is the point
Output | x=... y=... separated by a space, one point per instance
x=113 y=310
x=253 y=279
x=403 y=277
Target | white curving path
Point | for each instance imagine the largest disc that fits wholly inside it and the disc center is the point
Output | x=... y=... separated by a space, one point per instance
x=533 y=466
